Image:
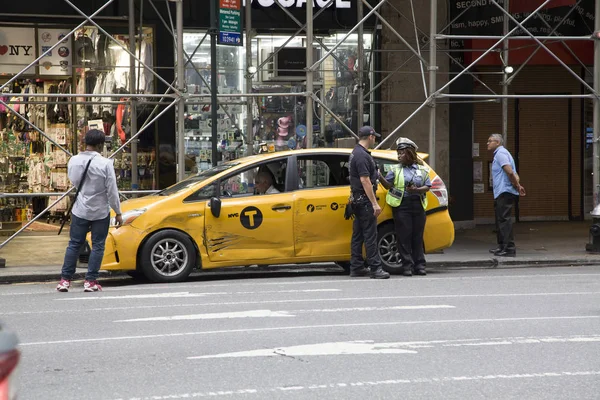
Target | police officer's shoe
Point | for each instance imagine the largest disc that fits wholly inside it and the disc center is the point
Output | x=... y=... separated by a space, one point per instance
x=506 y=253
x=420 y=272
x=407 y=272
x=379 y=274
x=495 y=250
x=360 y=272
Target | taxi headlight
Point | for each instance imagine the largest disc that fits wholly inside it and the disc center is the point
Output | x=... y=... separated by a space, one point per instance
x=128 y=216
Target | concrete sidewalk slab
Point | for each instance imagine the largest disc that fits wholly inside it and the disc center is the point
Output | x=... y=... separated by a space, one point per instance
x=35 y=257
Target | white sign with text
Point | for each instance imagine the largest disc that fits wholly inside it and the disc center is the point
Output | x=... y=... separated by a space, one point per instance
x=17 y=50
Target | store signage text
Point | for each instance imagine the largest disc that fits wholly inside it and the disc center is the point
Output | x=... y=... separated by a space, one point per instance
x=14 y=50
x=302 y=3
x=230 y=22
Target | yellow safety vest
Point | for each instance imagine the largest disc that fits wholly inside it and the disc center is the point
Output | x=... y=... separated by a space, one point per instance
x=396 y=194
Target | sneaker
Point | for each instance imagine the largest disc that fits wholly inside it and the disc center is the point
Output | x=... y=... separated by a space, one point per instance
x=63 y=285
x=379 y=274
x=360 y=272
x=91 y=286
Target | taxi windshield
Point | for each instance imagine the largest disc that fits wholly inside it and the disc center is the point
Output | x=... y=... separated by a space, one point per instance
x=199 y=177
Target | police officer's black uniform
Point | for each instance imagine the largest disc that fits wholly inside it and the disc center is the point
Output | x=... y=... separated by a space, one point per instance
x=364 y=227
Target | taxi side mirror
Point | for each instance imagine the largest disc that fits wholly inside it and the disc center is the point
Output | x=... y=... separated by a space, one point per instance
x=215 y=206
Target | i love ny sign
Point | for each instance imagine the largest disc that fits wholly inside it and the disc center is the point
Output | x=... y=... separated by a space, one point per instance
x=17 y=49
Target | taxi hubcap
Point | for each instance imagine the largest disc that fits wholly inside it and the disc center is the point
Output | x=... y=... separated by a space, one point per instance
x=388 y=250
x=169 y=257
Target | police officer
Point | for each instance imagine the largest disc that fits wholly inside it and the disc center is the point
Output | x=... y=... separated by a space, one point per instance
x=363 y=184
x=407 y=185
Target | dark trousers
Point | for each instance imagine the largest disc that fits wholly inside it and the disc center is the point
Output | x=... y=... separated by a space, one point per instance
x=364 y=230
x=78 y=232
x=409 y=220
x=503 y=206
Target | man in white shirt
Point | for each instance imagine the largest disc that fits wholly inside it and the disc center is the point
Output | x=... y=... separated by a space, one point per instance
x=91 y=211
x=264 y=183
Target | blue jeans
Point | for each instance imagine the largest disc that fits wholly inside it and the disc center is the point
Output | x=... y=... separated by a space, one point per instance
x=78 y=231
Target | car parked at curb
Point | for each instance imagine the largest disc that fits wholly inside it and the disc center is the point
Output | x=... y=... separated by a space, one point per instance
x=214 y=219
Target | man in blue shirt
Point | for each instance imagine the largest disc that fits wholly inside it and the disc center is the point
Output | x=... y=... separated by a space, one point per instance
x=507 y=190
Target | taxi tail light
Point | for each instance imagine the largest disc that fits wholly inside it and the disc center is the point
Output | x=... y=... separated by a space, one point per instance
x=8 y=363
x=438 y=189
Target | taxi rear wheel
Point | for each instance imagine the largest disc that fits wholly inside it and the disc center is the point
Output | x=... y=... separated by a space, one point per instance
x=168 y=256
x=388 y=249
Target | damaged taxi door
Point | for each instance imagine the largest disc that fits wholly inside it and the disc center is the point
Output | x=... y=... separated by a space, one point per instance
x=250 y=227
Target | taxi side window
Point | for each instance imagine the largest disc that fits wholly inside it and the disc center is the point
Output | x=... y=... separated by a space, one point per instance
x=203 y=194
x=244 y=183
x=317 y=171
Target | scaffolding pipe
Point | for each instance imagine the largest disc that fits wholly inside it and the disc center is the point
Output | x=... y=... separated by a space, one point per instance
x=213 y=78
x=181 y=85
x=505 y=64
x=133 y=90
x=515 y=96
x=309 y=75
x=28 y=195
x=492 y=37
x=596 y=162
x=360 y=99
x=433 y=68
x=249 y=76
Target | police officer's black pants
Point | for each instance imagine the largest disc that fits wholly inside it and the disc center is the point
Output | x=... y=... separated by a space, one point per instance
x=409 y=220
x=503 y=206
x=364 y=230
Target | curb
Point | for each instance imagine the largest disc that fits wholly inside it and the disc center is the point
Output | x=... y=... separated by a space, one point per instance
x=490 y=263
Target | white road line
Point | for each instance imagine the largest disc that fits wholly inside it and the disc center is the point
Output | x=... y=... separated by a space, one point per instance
x=268 y=392
x=309 y=327
x=186 y=294
x=371 y=347
x=281 y=313
x=333 y=280
x=287 y=301
x=227 y=315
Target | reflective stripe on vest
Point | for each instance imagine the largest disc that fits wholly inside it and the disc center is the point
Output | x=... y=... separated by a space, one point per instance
x=396 y=194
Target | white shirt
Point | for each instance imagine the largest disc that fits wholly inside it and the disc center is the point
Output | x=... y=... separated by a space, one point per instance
x=272 y=190
x=99 y=192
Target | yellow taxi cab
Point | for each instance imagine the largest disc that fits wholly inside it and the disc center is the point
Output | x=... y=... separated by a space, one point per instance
x=214 y=219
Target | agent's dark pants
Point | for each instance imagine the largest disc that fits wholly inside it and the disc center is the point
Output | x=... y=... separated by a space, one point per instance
x=364 y=230
x=409 y=220
x=503 y=206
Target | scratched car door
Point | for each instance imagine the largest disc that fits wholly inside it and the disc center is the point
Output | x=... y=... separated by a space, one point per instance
x=250 y=227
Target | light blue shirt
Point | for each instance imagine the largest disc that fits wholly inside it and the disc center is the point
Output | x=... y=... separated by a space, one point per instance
x=99 y=192
x=500 y=181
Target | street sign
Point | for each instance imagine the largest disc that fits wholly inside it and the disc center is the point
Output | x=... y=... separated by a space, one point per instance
x=230 y=22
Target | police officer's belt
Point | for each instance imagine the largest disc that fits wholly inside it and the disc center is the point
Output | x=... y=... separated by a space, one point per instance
x=396 y=192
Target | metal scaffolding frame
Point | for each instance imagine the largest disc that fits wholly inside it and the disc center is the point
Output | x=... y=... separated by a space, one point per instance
x=176 y=95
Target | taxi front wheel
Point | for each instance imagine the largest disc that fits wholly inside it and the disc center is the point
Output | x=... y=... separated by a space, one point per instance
x=168 y=256
x=388 y=249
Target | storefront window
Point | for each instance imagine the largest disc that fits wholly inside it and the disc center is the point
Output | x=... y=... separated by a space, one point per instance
x=86 y=63
x=279 y=115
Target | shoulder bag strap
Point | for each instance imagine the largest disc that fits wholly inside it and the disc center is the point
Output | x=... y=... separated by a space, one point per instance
x=64 y=220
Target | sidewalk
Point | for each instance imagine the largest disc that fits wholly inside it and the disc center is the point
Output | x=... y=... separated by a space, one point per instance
x=38 y=256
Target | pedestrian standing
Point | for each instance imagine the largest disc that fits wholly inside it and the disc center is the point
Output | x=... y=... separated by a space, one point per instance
x=408 y=184
x=507 y=189
x=363 y=185
x=94 y=176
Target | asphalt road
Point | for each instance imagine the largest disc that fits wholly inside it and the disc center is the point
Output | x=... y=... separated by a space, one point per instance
x=461 y=334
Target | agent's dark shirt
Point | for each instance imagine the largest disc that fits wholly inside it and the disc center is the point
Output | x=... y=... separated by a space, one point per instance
x=361 y=164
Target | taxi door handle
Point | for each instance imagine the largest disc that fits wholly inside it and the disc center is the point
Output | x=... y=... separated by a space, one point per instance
x=281 y=207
